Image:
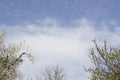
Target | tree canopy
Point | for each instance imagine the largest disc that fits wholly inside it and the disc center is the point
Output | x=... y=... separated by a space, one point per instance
x=106 y=62
x=10 y=59
x=53 y=73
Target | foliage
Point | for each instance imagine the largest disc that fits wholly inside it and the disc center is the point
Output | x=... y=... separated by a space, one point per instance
x=53 y=73
x=9 y=59
x=106 y=61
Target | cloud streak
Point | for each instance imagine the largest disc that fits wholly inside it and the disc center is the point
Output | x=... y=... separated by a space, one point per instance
x=53 y=44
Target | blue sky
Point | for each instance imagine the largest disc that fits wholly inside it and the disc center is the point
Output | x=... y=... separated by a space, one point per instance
x=59 y=32
x=66 y=11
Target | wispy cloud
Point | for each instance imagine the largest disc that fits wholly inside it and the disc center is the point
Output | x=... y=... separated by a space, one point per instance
x=54 y=44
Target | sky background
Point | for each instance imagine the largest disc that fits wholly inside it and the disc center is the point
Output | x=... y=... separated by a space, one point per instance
x=59 y=32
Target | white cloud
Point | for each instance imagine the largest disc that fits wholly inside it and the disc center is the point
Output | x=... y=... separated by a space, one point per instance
x=52 y=44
